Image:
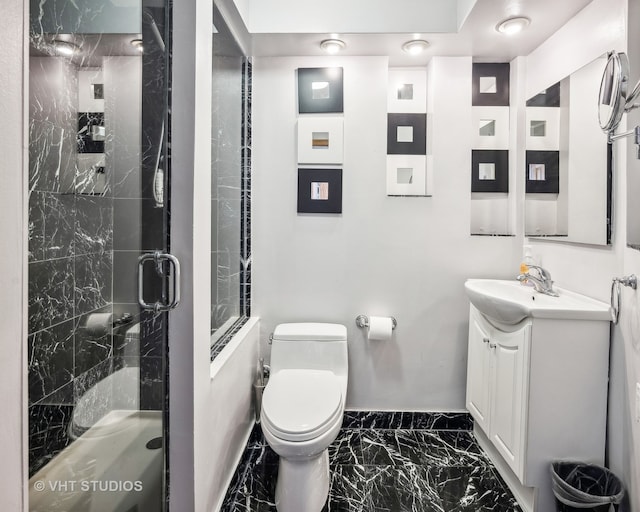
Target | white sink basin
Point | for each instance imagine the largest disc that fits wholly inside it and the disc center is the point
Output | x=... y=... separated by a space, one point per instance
x=510 y=302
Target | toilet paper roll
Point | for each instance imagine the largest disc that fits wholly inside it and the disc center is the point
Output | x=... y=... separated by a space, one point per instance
x=380 y=328
x=99 y=324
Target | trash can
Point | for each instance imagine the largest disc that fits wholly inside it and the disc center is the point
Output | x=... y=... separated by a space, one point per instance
x=578 y=487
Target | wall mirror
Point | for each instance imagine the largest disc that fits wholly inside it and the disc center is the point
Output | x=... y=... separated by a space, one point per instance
x=568 y=161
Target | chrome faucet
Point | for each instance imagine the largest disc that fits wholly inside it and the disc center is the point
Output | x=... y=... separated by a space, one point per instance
x=542 y=282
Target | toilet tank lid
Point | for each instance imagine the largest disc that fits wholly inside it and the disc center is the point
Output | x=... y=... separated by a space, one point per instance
x=310 y=332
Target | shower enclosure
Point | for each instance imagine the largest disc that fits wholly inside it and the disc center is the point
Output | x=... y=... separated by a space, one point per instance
x=100 y=280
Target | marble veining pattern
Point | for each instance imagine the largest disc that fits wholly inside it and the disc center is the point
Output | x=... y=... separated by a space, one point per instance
x=86 y=152
x=387 y=462
x=231 y=206
x=245 y=234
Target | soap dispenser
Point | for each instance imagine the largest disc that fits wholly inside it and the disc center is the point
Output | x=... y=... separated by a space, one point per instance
x=528 y=255
x=527 y=261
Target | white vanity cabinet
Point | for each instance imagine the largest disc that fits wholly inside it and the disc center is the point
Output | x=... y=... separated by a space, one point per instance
x=537 y=391
x=497 y=384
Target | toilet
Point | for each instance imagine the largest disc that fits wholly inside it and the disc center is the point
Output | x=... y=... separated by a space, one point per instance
x=302 y=409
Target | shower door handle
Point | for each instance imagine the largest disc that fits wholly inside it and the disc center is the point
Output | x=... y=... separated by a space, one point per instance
x=173 y=295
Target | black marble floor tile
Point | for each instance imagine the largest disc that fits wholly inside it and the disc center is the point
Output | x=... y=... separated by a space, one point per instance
x=425 y=447
x=401 y=488
x=473 y=488
x=446 y=448
x=348 y=491
x=255 y=490
x=385 y=447
x=346 y=449
x=386 y=470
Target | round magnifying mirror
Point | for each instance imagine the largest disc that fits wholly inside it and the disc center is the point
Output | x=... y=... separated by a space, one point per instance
x=613 y=91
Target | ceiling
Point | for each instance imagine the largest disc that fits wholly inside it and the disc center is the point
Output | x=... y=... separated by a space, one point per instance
x=93 y=47
x=477 y=36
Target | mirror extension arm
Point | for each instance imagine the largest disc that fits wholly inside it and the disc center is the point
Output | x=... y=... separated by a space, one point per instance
x=635 y=132
x=630 y=103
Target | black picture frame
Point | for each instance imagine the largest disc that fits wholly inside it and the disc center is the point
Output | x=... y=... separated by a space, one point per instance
x=86 y=140
x=418 y=146
x=330 y=102
x=551 y=182
x=500 y=71
x=550 y=97
x=332 y=178
x=498 y=157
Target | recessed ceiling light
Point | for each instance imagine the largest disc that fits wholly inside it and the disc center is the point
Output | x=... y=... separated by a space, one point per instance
x=137 y=44
x=333 y=46
x=65 y=48
x=415 y=47
x=513 y=25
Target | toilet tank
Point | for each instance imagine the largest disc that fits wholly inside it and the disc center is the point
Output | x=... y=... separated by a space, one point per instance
x=315 y=346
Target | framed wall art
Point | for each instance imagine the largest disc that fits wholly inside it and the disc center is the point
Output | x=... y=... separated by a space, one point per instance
x=320 y=140
x=320 y=90
x=542 y=172
x=543 y=129
x=406 y=175
x=491 y=127
x=550 y=97
x=407 y=90
x=489 y=170
x=319 y=190
x=490 y=84
x=406 y=134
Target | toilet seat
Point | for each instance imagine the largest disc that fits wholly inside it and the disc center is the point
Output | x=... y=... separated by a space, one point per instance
x=299 y=405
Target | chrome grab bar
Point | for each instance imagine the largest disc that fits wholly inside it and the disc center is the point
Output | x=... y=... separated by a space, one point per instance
x=158 y=258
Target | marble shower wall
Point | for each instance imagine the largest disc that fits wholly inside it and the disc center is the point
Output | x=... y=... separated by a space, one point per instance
x=92 y=208
x=230 y=186
x=70 y=260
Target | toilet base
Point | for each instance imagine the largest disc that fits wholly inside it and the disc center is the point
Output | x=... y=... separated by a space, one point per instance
x=303 y=484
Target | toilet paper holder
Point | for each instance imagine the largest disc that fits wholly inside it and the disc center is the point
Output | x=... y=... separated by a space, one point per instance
x=363 y=321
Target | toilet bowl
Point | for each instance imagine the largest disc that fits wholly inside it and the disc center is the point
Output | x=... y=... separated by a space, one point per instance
x=302 y=410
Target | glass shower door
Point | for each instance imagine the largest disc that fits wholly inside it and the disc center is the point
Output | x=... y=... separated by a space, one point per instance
x=100 y=280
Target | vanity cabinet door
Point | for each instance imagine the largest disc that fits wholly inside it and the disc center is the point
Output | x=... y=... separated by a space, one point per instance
x=509 y=393
x=478 y=372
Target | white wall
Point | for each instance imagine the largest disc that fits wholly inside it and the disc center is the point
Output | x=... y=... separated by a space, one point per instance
x=589 y=269
x=626 y=337
x=189 y=357
x=406 y=257
x=229 y=415
x=13 y=233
